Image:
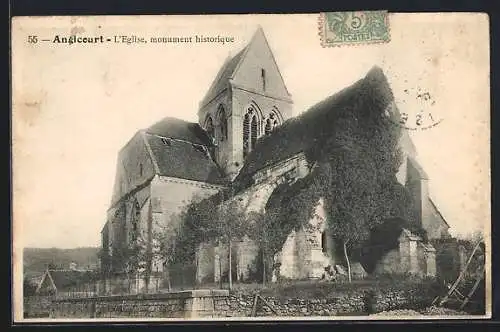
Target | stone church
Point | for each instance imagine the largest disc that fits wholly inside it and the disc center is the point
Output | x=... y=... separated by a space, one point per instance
x=166 y=166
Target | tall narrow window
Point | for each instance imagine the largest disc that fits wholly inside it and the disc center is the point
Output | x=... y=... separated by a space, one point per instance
x=222 y=123
x=253 y=128
x=210 y=128
x=263 y=76
x=268 y=127
x=250 y=130
x=271 y=123
x=246 y=135
x=135 y=218
x=323 y=242
x=274 y=120
x=140 y=170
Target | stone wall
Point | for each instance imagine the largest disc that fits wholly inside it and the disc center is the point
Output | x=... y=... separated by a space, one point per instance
x=37 y=306
x=214 y=261
x=413 y=256
x=115 y=307
x=451 y=257
x=120 y=285
x=321 y=299
x=187 y=304
x=171 y=195
x=302 y=255
x=241 y=306
x=355 y=301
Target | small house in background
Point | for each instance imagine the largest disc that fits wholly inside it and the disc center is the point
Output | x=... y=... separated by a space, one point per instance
x=67 y=282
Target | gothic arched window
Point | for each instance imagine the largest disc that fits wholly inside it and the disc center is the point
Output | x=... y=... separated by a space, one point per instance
x=210 y=128
x=271 y=123
x=268 y=127
x=253 y=132
x=250 y=131
x=222 y=123
x=275 y=121
x=246 y=135
x=136 y=217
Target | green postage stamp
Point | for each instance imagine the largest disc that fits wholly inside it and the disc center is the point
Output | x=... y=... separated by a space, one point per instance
x=351 y=28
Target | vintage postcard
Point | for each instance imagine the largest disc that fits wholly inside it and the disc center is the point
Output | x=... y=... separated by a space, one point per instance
x=329 y=166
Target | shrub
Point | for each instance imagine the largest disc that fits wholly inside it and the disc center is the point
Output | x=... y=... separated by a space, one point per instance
x=29 y=288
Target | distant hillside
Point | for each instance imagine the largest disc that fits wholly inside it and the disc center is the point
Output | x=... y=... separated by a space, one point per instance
x=36 y=260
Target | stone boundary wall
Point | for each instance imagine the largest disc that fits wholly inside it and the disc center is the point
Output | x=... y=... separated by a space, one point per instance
x=185 y=304
x=343 y=303
x=354 y=300
x=37 y=306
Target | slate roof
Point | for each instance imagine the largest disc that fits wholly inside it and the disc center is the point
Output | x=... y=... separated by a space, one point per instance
x=180 y=129
x=433 y=205
x=183 y=159
x=301 y=133
x=66 y=279
x=225 y=73
x=412 y=162
x=184 y=156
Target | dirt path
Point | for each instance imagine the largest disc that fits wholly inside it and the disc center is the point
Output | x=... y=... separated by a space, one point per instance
x=430 y=311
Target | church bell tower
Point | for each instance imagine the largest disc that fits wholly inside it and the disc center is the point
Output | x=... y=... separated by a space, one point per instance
x=247 y=100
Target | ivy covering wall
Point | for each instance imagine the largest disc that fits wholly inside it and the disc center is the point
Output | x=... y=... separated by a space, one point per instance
x=352 y=143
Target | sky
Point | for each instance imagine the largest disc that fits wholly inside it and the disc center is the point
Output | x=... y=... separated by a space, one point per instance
x=75 y=106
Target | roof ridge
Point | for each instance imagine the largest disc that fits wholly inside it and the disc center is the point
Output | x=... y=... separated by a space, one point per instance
x=219 y=73
x=174 y=139
x=150 y=152
x=268 y=150
x=67 y=270
x=173 y=159
x=259 y=28
x=243 y=52
x=418 y=167
x=211 y=93
x=437 y=210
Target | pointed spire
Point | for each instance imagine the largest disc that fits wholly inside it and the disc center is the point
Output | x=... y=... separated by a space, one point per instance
x=258 y=31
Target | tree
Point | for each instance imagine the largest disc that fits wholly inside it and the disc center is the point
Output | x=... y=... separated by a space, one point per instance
x=164 y=244
x=356 y=167
x=263 y=230
x=230 y=226
x=345 y=208
x=211 y=220
x=131 y=259
x=473 y=237
x=29 y=289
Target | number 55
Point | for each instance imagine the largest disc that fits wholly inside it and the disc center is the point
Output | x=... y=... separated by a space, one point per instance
x=32 y=39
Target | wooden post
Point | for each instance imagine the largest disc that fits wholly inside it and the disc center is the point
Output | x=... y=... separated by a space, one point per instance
x=263 y=268
x=347 y=261
x=254 y=307
x=473 y=290
x=268 y=305
x=230 y=266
